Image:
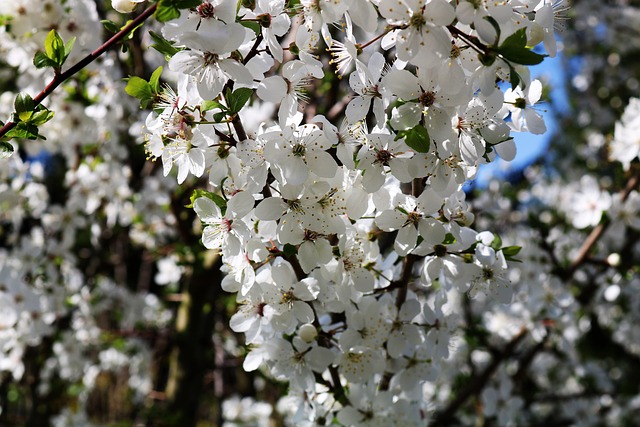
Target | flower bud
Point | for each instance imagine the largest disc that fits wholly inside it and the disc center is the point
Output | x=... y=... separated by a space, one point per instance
x=308 y=332
x=125 y=6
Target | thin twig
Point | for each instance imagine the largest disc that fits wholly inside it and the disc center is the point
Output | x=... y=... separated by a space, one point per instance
x=597 y=232
x=62 y=77
x=445 y=417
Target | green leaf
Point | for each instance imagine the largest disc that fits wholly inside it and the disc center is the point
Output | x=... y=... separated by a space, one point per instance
x=24 y=106
x=41 y=116
x=238 y=99
x=54 y=46
x=110 y=26
x=496 y=243
x=141 y=89
x=6 y=150
x=210 y=105
x=68 y=47
x=417 y=138
x=154 y=81
x=522 y=56
x=24 y=130
x=166 y=11
x=514 y=49
x=252 y=25
x=163 y=45
x=41 y=60
x=219 y=117
x=511 y=251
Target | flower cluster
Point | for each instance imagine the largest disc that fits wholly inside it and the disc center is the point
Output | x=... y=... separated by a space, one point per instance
x=321 y=147
x=335 y=237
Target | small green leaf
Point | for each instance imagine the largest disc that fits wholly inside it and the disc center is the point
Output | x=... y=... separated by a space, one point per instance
x=6 y=150
x=219 y=117
x=516 y=40
x=511 y=251
x=110 y=26
x=496 y=243
x=166 y=11
x=41 y=60
x=210 y=105
x=163 y=45
x=131 y=32
x=238 y=99
x=252 y=25
x=141 y=89
x=68 y=47
x=52 y=44
x=514 y=49
x=24 y=106
x=417 y=138
x=522 y=56
x=154 y=81
x=24 y=130
x=54 y=47
x=41 y=116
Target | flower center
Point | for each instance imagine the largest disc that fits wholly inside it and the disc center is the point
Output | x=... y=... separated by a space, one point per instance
x=383 y=157
x=298 y=150
x=210 y=58
x=417 y=20
x=520 y=103
x=427 y=99
x=206 y=10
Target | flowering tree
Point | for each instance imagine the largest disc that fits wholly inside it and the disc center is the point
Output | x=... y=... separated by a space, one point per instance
x=265 y=199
